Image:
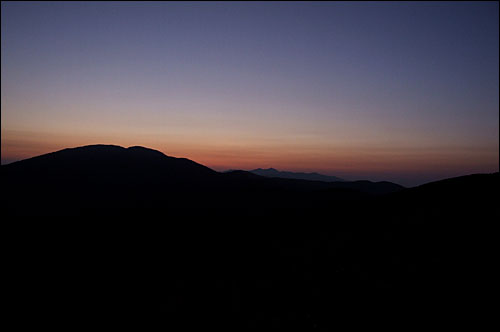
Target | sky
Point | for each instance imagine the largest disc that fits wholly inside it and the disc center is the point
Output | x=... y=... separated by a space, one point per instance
x=398 y=91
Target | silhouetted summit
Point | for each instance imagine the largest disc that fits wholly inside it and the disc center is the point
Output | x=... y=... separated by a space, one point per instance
x=101 y=178
x=94 y=159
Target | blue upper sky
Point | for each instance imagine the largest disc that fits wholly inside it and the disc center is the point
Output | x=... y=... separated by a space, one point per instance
x=401 y=91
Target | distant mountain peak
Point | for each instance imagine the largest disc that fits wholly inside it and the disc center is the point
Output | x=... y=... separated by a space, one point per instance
x=272 y=172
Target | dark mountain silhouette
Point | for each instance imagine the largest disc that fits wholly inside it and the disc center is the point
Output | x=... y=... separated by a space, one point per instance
x=104 y=178
x=132 y=236
x=108 y=179
x=273 y=173
x=108 y=159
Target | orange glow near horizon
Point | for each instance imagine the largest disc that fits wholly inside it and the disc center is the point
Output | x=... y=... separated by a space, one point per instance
x=359 y=161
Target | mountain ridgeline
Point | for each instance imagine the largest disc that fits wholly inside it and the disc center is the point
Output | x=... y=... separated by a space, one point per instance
x=112 y=179
x=273 y=173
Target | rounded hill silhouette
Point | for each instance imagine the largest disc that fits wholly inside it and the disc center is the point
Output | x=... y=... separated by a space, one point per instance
x=110 y=178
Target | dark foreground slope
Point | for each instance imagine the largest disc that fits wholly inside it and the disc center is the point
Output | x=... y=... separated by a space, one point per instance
x=273 y=254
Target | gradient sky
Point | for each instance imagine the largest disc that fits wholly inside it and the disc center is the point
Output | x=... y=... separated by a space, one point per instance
x=406 y=92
